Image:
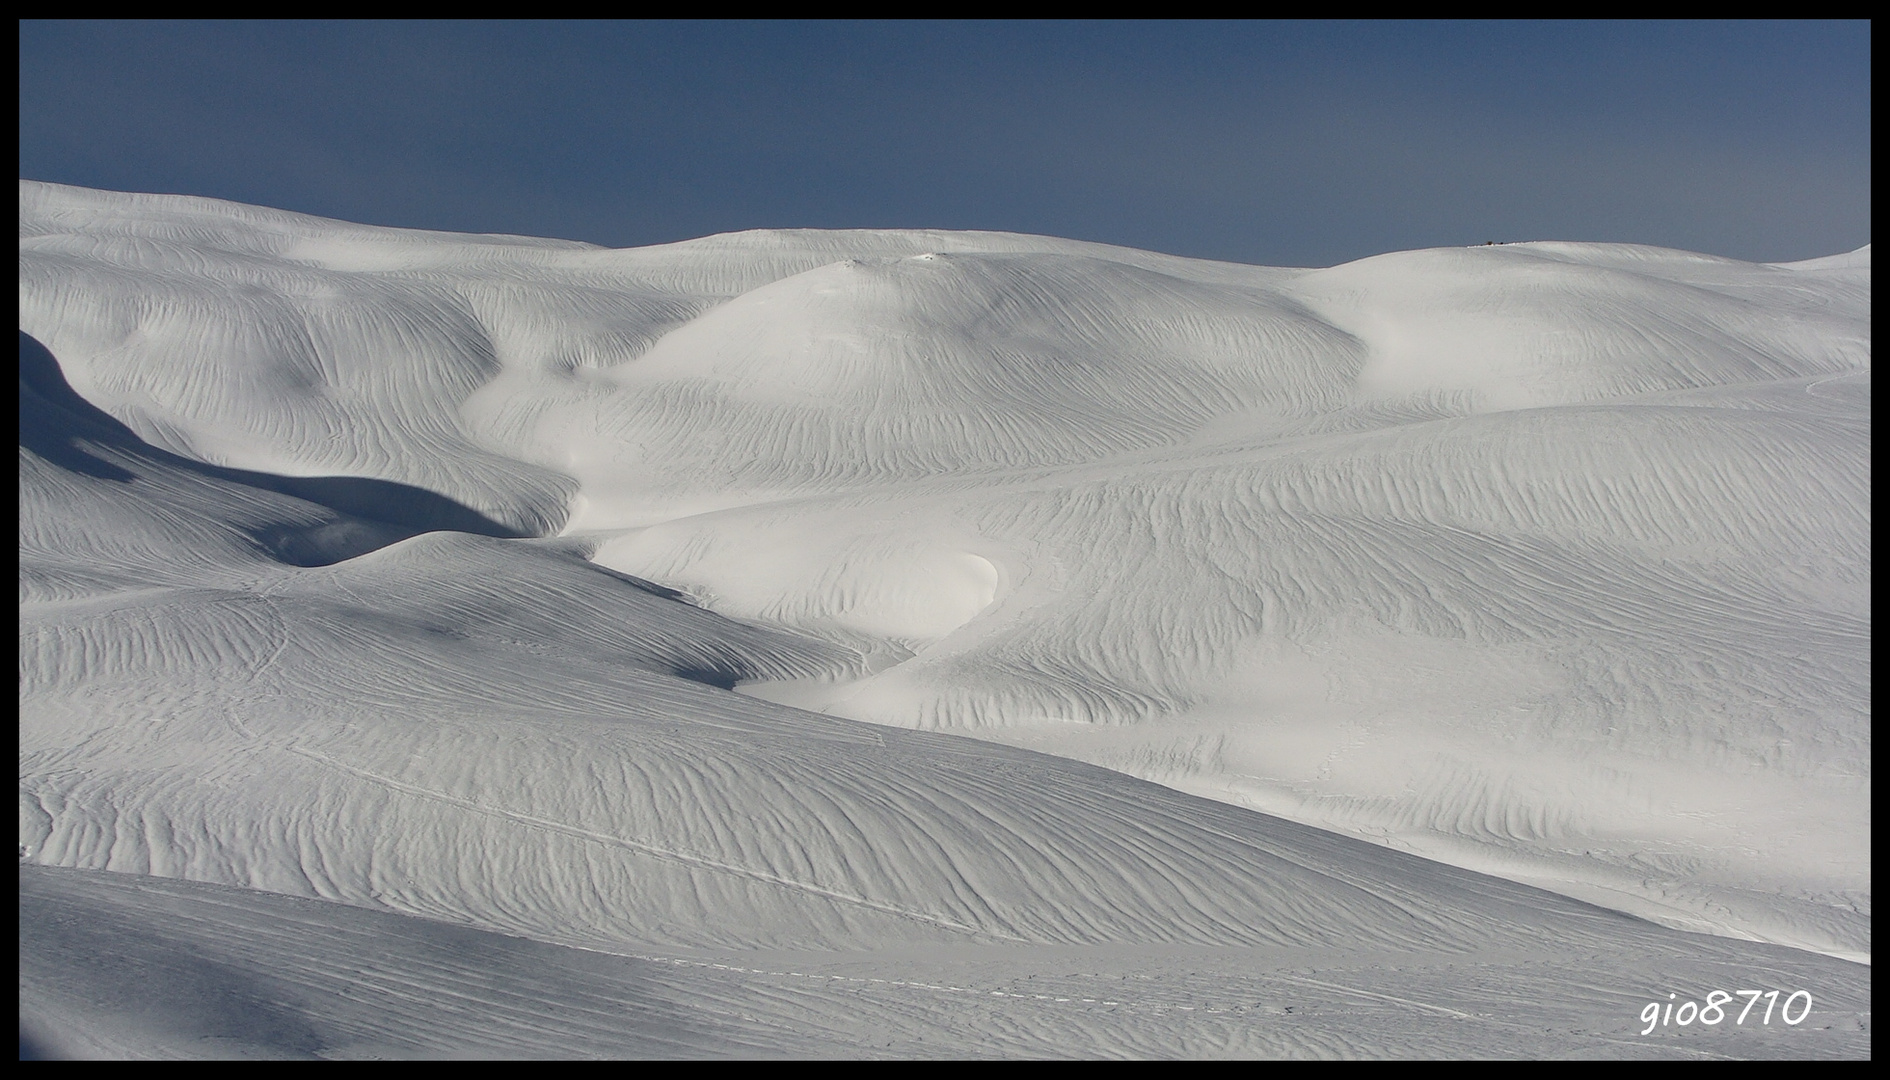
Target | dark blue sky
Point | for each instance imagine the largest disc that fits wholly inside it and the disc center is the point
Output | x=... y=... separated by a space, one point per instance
x=1287 y=144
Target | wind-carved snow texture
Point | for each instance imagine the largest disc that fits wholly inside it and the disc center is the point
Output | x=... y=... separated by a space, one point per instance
x=407 y=574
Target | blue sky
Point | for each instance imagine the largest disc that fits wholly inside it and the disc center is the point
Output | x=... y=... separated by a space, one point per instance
x=1280 y=143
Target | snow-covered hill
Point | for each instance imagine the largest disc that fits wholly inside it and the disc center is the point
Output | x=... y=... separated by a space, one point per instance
x=412 y=571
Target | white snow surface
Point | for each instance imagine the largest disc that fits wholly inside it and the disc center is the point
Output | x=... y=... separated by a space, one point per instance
x=409 y=572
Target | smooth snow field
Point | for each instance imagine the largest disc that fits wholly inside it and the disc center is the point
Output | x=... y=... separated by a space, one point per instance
x=933 y=644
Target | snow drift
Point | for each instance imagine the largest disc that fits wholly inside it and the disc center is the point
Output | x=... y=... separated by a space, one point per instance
x=412 y=570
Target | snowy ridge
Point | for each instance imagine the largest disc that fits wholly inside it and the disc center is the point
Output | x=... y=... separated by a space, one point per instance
x=411 y=571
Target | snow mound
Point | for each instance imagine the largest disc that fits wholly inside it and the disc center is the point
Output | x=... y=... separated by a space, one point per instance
x=412 y=571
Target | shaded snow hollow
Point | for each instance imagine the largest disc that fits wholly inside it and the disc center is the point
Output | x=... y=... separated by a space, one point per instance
x=411 y=571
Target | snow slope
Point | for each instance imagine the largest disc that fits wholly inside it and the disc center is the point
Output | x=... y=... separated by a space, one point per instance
x=410 y=571
x=121 y=965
